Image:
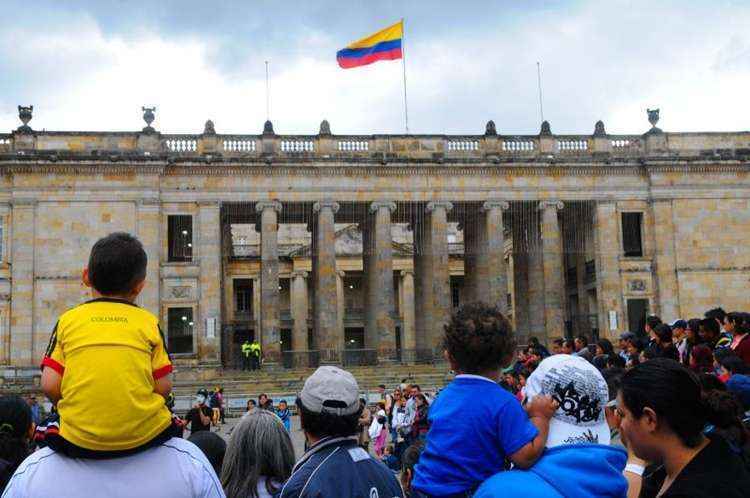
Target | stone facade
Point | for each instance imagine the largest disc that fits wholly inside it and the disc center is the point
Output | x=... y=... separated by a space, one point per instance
x=338 y=248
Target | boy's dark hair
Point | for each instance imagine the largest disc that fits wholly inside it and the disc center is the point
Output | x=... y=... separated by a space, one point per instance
x=739 y=320
x=663 y=332
x=117 y=264
x=672 y=391
x=652 y=321
x=568 y=343
x=479 y=338
x=583 y=340
x=710 y=325
x=326 y=424
x=416 y=386
x=716 y=314
x=732 y=363
x=613 y=378
x=558 y=342
x=15 y=420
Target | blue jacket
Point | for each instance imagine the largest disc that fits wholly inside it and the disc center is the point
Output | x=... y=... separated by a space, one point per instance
x=570 y=471
x=739 y=384
x=339 y=468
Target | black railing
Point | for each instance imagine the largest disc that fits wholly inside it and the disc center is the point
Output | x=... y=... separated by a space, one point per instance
x=359 y=357
x=300 y=359
x=590 y=275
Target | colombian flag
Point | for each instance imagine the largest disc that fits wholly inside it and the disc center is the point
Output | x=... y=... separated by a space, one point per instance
x=385 y=45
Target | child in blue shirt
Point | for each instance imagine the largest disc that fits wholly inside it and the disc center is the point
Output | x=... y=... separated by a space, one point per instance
x=284 y=415
x=475 y=424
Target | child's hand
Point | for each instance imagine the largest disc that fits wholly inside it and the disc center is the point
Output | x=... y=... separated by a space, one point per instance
x=542 y=406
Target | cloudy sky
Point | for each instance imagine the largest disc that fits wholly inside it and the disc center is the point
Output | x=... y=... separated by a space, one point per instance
x=91 y=65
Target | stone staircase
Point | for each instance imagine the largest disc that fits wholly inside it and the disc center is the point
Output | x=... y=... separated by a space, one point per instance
x=279 y=383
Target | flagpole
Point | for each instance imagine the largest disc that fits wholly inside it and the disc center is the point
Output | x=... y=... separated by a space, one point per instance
x=268 y=96
x=539 y=83
x=403 y=65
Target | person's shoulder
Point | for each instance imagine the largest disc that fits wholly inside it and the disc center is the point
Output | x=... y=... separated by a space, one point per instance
x=28 y=468
x=298 y=480
x=516 y=483
x=183 y=451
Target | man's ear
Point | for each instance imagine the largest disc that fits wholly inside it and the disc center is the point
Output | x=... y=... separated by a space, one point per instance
x=452 y=362
x=85 y=278
x=138 y=288
x=650 y=419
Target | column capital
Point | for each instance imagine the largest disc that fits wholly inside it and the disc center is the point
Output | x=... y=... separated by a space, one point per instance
x=377 y=205
x=433 y=205
x=501 y=205
x=300 y=273
x=333 y=205
x=557 y=205
x=263 y=205
x=408 y=271
x=209 y=204
x=341 y=273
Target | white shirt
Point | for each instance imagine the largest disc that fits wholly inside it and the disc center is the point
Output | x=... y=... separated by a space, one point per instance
x=175 y=469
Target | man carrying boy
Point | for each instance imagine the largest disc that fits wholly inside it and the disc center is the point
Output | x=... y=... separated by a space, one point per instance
x=476 y=423
x=106 y=366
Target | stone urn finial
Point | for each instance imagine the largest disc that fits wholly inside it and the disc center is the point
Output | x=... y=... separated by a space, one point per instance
x=490 y=129
x=325 y=128
x=653 y=118
x=25 y=115
x=599 y=129
x=148 y=117
x=546 y=130
x=268 y=128
x=208 y=128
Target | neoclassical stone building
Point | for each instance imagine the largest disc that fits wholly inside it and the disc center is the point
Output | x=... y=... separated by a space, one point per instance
x=348 y=249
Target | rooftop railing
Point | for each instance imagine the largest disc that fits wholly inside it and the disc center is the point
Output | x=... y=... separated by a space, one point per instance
x=378 y=148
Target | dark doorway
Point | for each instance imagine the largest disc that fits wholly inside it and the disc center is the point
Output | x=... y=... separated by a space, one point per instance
x=637 y=311
x=355 y=338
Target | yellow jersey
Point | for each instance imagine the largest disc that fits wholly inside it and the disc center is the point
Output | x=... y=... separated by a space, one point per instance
x=109 y=353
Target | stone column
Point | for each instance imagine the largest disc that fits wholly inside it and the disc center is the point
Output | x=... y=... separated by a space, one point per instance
x=23 y=230
x=520 y=289
x=209 y=305
x=491 y=284
x=433 y=305
x=554 y=317
x=256 y=308
x=340 y=307
x=380 y=299
x=535 y=272
x=470 y=288
x=407 y=307
x=608 y=247
x=583 y=312
x=666 y=262
x=299 y=310
x=326 y=309
x=268 y=212
x=148 y=229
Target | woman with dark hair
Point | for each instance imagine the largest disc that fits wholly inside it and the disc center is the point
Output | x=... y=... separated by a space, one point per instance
x=16 y=428
x=421 y=425
x=693 y=339
x=735 y=324
x=665 y=348
x=604 y=346
x=663 y=416
x=725 y=419
x=259 y=457
x=701 y=359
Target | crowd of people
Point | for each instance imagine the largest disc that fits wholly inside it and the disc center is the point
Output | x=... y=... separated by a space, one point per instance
x=664 y=414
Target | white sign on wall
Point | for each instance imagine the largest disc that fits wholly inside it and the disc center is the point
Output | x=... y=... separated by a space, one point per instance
x=210 y=328
x=612 y=320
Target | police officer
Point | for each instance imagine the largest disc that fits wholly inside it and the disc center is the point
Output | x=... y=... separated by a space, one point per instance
x=255 y=355
x=246 y=349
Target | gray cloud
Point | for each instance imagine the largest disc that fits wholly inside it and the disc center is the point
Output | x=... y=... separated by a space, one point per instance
x=467 y=62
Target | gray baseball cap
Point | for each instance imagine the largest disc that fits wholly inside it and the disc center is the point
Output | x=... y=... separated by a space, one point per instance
x=332 y=390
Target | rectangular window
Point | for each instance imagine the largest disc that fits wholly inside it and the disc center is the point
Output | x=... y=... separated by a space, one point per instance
x=243 y=294
x=631 y=234
x=180 y=330
x=180 y=237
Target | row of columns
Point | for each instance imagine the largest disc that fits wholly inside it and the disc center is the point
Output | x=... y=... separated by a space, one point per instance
x=485 y=271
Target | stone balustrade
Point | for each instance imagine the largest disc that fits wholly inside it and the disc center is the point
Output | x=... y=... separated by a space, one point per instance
x=380 y=148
